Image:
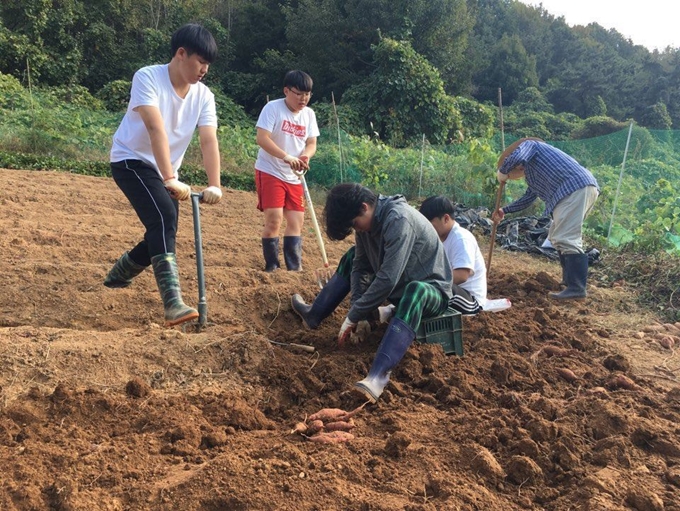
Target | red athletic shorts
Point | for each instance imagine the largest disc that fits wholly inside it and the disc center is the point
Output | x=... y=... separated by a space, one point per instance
x=275 y=193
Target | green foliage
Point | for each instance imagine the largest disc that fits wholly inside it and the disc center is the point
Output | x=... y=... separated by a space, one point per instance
x=115 y=95
x=12 y=94
x=656 y=117
x=597 y=126
x=229 y=113
x=349 y=118
x=404 y=97
x=477 y=120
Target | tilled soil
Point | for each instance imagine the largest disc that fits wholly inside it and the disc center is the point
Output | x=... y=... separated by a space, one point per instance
x=102 y=408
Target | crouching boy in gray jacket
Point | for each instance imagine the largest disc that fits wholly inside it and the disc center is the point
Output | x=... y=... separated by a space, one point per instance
x=397 y=258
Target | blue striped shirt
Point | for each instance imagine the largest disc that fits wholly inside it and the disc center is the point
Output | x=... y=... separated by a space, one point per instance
x=551 y=175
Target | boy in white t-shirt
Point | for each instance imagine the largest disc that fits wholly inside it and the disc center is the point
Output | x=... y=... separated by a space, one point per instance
x=167 y=103
x=462 y=250
x=286 y=133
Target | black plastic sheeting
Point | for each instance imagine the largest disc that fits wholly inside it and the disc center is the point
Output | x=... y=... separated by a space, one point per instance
x=520 y=234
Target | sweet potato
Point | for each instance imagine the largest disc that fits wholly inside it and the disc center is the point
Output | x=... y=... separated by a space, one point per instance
x=340 y=425
x=621 y=381
x=567 y=374
x=314 y=427
x=555 y=351
x=667 y=342
x=332 y=437
x=653 y=328
x=300 y=428
x=328 y=415
x=671 y=328
x=597 y=391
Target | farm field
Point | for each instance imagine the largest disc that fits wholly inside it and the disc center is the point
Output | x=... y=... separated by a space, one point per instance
x=102 y=408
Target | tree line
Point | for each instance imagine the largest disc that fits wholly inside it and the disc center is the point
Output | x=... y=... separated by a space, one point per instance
x=398 y=69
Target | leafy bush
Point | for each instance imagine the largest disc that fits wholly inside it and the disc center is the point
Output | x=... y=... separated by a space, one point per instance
x=12 y=94
x=115 y=95
x=598 y=126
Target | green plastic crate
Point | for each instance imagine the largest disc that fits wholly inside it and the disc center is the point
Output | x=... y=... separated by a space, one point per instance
x=446 y=330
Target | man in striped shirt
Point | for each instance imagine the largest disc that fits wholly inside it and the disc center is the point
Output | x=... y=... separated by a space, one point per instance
x=569 y=191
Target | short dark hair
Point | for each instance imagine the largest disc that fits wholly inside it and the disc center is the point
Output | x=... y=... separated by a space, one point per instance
x=343 y=204
x=298 y=79
x=194 y=38
x=436 y=207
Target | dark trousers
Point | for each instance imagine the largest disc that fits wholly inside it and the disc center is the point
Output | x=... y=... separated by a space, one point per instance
x=156 y=209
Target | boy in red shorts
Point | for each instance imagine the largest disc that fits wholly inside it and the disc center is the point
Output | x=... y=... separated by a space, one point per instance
x=286 y=133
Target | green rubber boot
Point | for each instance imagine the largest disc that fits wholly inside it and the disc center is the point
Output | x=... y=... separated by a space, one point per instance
x=123 y=272
x=167 y=278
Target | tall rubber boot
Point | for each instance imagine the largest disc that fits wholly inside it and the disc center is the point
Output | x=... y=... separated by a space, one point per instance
x=575 y=276
x=563 y=282
x=123 y=272
x=270 y=249
x=393 y=347
x=292 y=252
x=167 y=278
x=324 y=304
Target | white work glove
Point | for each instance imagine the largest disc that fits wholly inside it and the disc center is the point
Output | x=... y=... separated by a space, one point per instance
x=498 y=215
x=501 y=177
x=177 y=189
x=361 y=333
x=212 y=195
x=345 y=331
x=295 y=163
x=386 y=313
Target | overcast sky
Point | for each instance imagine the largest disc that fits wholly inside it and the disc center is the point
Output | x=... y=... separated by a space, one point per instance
x=651 y=23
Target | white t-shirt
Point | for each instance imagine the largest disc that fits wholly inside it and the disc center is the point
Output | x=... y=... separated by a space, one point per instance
x=463 y=252
x=151 y=86
x=290 y=132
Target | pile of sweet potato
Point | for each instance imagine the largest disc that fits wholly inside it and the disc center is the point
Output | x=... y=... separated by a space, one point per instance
x=328 y=426
x=666 y=334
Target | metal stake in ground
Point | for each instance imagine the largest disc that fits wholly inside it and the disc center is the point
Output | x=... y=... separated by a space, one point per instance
x=202 y=302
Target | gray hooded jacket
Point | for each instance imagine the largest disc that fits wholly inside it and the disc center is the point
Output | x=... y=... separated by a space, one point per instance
x=401 y=247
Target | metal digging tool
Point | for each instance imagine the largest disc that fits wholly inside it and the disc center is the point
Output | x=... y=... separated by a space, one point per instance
x=202 y=302
x=324 y=274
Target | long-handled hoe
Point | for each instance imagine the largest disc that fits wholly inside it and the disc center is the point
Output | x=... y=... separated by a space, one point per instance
x=324 y=274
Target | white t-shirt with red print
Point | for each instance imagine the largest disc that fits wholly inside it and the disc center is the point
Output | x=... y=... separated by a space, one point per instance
x=290 y=132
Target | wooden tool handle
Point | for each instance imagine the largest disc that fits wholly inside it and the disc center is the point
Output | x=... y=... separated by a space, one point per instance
x=499 y=195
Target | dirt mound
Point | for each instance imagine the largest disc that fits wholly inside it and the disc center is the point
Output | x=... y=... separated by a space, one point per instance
x=553 y=406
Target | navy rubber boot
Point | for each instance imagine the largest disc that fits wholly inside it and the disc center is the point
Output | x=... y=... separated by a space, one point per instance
x=393 y=347
x=270 y=250
x=324 y=304
x=292 y=252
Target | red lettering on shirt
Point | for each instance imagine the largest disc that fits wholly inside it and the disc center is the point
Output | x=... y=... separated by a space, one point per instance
x=294 y=129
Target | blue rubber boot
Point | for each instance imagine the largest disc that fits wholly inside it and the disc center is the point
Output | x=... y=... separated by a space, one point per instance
x=393 y=347
x=324 y=304
x=292 y=252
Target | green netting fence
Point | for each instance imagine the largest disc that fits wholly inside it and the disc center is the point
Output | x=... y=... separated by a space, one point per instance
x=639 y=201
